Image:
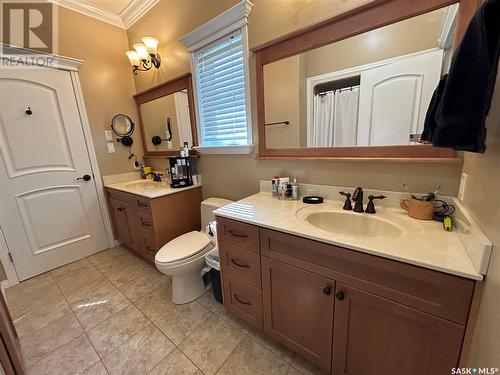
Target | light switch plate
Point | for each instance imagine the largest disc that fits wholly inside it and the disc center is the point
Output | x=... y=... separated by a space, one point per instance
x=169 y=145
x=111 y=148
x=462 y=186
x=108 y=134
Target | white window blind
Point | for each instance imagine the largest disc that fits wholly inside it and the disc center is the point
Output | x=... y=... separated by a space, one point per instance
x=220 y=83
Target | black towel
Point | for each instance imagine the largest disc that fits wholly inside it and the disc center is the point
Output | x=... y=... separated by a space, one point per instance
x=461 y=102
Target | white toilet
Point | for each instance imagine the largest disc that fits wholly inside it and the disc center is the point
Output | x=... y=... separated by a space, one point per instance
x=183 y=258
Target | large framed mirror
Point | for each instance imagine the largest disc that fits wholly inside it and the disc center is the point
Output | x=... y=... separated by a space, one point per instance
x=167 y=117
x=358 y=85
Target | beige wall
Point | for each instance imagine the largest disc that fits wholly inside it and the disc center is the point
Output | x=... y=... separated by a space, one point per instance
x=482 y=199
x=106 y=79
x=172 y=19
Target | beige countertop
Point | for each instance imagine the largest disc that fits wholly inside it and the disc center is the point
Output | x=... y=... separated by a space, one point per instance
x=421 y=242
x=147 y=188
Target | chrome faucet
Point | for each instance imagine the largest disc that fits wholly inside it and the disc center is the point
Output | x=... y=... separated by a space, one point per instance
x=156 y=176
x=357 y=198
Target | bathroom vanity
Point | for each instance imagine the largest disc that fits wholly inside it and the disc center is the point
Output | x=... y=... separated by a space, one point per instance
x=146 y=215
x=383 y=294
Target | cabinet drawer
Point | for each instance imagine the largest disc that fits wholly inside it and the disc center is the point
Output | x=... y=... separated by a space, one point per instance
x=237 y=233
x=243 y=300
x=434 y=292
x=146 y=222
x=243 y=263
x=143 y=204
x=148 y=244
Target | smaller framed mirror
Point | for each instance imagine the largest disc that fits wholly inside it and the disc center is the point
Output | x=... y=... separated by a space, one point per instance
x=167 y=117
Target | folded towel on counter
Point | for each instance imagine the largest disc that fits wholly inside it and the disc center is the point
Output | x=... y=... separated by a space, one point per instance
x=462 y=100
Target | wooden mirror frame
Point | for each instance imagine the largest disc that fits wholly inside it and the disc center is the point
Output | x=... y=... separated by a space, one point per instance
x=183 y=82
x=367 y=17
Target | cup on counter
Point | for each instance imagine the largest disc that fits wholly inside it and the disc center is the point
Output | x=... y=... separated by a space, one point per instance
x=422 y=210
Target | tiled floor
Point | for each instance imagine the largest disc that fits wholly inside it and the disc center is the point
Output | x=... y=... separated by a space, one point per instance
x=111 y=314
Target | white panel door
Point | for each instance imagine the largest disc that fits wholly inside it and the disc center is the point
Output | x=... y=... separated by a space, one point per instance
x=48 y=216
x=394 y=98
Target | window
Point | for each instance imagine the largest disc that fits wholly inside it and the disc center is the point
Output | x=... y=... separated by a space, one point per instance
x=220 y=81
x=219 y=58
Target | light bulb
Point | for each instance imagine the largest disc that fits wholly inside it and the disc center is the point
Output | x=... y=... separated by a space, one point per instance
x=142 y=51
x=151 y=44
x=133 y=57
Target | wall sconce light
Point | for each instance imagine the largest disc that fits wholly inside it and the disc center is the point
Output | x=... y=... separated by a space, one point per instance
x=145 y=55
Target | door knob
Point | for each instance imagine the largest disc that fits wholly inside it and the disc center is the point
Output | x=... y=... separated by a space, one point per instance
x=327 y=290
x=85 y=177
x=340 y=296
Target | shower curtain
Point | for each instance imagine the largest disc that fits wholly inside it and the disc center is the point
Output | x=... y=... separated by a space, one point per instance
x=335 y=119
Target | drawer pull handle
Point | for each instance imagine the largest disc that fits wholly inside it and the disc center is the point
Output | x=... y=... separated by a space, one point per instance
x=237 y=264
x=142 y=204
x=146 y=224
x=340 y=296
x=240 y=235
x=240 y=301
x=327 y=291
x=121 y=209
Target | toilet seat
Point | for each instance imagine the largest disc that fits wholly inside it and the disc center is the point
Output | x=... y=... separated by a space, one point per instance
x=183 y=247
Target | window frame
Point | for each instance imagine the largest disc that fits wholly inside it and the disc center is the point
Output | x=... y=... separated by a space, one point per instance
x=223 y=25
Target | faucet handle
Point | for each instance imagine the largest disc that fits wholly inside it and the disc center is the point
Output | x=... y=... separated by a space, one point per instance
x=347 y=204
x=370 y=208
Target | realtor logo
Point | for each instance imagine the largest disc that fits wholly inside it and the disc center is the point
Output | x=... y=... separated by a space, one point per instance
x=29 y=25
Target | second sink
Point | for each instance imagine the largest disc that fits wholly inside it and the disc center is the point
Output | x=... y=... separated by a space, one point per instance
x=352 y=224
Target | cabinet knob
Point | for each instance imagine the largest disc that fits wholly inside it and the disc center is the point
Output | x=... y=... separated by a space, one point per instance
x=340 y=296
x=327 y=290
x=121 y=209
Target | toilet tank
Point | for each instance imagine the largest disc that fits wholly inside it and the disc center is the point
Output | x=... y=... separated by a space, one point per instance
x=207 y=208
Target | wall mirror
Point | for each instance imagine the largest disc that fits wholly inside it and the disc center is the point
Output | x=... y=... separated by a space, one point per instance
x=357 y=85
x=167 y=117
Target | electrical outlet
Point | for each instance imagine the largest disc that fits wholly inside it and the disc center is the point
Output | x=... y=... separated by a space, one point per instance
x=462 y=186
x=108 y=135
x=111 y=148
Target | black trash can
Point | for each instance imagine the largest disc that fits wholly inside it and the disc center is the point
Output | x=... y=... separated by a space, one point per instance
x=216 y=285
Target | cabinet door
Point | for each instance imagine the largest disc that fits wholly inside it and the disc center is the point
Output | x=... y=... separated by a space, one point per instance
x=298 y=310
x=121 y=215
x=373 y=336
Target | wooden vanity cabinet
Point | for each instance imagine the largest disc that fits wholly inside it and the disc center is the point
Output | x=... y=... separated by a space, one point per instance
x=144 y=225
x=346 y=311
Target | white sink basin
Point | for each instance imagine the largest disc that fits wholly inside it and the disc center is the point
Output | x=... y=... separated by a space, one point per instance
x=146 y=185
x=353 y=224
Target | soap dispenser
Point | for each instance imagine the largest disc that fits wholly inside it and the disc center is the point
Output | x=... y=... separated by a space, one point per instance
x=295 y=189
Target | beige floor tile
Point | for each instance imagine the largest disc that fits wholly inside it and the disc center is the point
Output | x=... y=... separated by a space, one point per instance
x=175 y=321
x=117 y=329
x=75 y=275
x=175 y=363
x=74 y=358
x=211 y=344
x=144 y=284
x=42 y=316
x=50 y=338
x=120 y=274
x=251 y=358
x=97 y=301
x=31 y=294
x=106 y=259
x=208 y=300
x=139 y=354
x=97 y=369
x=278 y=349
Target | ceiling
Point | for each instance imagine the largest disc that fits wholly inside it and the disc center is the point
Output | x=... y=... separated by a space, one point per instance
x=121 y=13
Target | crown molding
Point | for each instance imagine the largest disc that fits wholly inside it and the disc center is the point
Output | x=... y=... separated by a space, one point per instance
x=228 y=21
x=91 y=11
x=135 y=10
x=60 y=62
x=127 y=17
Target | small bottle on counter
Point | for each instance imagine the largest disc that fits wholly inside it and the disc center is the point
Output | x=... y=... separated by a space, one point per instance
x=295 y=189
x=276 y=186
